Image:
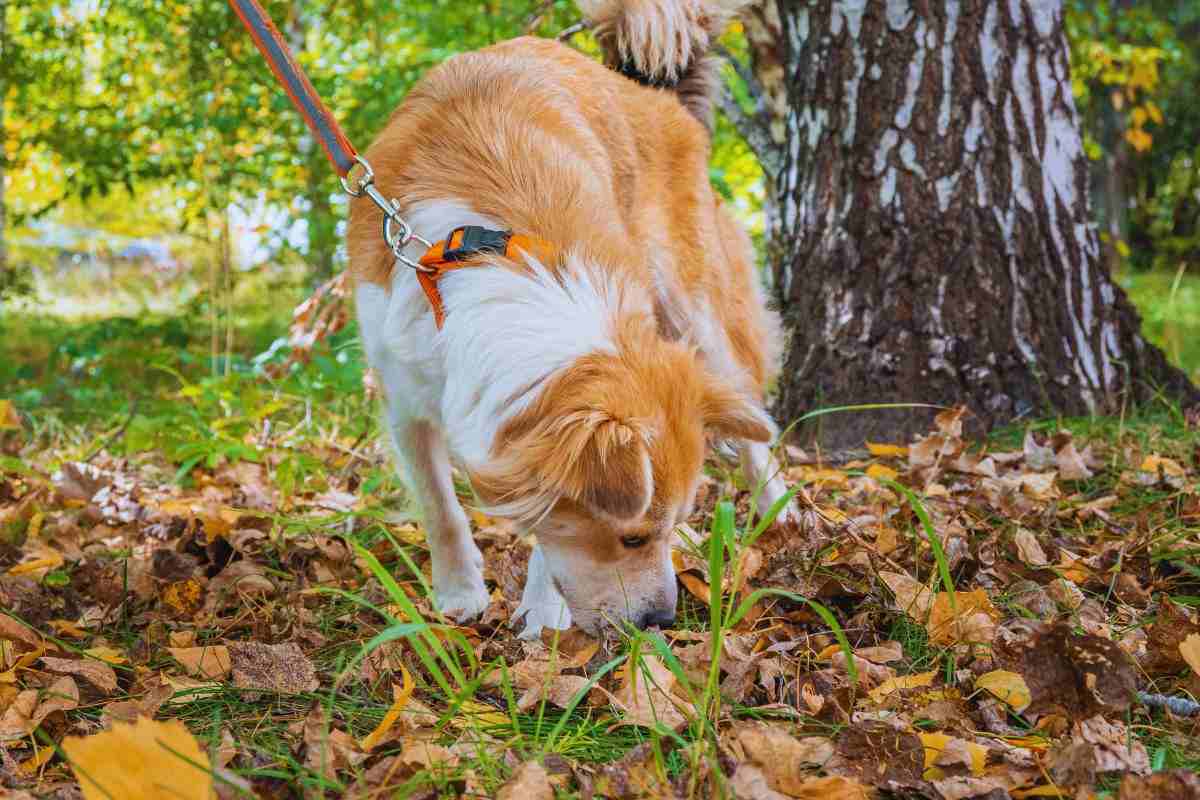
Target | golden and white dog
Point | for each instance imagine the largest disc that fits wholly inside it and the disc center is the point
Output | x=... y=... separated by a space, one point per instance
x=576 y=391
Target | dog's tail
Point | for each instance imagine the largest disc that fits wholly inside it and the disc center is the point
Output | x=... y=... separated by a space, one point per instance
x=665 y=43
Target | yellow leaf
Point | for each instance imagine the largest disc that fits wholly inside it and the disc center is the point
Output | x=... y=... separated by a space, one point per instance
x=9 y=419
x=1157 y=464
x=1007 y=687
x=400 y=697
x=880 y=471
x=1039 y=791
x=67 y=629
x=1139 y=117
x=1140 y=140
x=947 y=750
x=883 y=450
x=902 y=682
x=40 y=756
x=1154 y=112
x=49 y=559
x=146 y=759
x=1189 y=648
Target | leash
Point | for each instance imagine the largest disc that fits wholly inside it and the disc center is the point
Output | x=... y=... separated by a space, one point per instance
x=345 y=159
x=455 y=251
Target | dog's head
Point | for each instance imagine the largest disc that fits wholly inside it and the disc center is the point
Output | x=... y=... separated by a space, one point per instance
x=608 y=460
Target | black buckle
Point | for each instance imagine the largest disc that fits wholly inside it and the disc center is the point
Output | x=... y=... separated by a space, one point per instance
x=476 y=240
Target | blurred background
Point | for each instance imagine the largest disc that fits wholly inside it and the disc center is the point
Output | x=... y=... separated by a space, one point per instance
x=164 y=211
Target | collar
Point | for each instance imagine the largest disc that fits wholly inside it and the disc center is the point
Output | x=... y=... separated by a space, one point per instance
x=459 y=250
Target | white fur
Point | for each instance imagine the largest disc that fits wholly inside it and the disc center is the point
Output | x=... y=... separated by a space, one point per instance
x=541 y=604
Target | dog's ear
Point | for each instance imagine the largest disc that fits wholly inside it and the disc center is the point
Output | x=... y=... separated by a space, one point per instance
x=729 y=414
x=604 y=463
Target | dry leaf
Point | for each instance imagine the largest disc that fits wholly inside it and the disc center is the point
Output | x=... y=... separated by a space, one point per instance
x=1071 y=466
x=1007 y=687
x=1028 y=548
x=644 y=695
x=962 y=618
x=886 y=450
x=95 y=672
x=946 y=751
x=912 y=598
x=528 y=782
x=400 y=696
x=210 y=661
x=902 y=682
x=1189 y=648
x=147 y=759
x=832 y=787
x=781 y=756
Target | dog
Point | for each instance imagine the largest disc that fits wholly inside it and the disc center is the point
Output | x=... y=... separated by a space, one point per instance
x=578 y=379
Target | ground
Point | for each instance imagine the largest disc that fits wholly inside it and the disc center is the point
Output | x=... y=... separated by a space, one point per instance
x=232 y=551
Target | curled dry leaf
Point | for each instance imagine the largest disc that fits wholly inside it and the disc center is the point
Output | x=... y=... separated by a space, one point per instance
x=644 y=695
x=896 y=684
x=783 y=759
x=529 y=781
x=1175 y=784
x=145 y=759
x=400 y=696
x=1029 y=549
x=209 y=661
x=1189 y=648
x=281 y=668
x=962 y=618
x=95 y=672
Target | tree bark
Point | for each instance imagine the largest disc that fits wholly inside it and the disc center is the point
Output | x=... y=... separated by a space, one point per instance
x=929 y=219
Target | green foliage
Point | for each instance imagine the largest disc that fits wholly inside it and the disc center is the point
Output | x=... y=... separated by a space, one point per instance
x=1134 y=72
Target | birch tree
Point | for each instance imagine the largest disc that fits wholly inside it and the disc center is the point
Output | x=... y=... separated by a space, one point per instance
x=931 y=237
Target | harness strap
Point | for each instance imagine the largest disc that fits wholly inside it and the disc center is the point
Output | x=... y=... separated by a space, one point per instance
x=297 y=85
x=460 y=250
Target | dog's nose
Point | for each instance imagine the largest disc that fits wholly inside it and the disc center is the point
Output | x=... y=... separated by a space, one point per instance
x=657 y=619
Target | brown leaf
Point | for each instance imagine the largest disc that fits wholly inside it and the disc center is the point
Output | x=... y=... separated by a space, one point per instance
x=1029 y=549
x=782 y=757
x=644 y=695
x=528 y=782
x=1097 y=747
x=1071 y=466
x=281 y=668
x=558 y=691
x=878 y=754
x=1078 y=674
x=95 y=672
x=327 y=749
x=912 y=598
x=962 y=618
x=209 y=661
x=1173 y=624
x=1189 y=648
x=1175 y=784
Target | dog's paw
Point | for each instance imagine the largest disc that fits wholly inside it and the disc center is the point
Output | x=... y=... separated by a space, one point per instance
x=553 y=614
x=462 y=601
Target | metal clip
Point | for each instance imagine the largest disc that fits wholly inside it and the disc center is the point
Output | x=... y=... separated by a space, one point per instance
x=396 y=230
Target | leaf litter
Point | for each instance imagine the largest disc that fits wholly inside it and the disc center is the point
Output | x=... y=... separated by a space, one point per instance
x=953 y=620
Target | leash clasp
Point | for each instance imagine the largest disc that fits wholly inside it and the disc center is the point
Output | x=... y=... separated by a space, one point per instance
x=397 y=233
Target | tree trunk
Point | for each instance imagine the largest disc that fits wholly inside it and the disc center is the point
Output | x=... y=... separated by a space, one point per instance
x=5 y=278
x=931 y=237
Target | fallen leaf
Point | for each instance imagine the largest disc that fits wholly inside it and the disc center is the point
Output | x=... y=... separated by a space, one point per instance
x=1174 y=784
x=782 y=757
x=147 y=759
x=10 y=420
x=210 y=661
x=1007 y=687
x=886 y=450
x=95 y=672
x=912 y=598
x=528 y=782
x=1189 y=648
x=644 y=697
x=901 y=682
x=1071 y=466
x=400 y=696
x=962 y=618
x=1029 y=549
x=832 y=787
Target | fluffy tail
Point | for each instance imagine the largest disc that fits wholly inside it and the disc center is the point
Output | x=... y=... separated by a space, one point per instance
x=665 y=43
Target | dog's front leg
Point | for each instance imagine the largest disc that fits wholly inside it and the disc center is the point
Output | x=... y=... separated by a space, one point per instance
x=458 y=589
x=762 y=470
x=542 y=606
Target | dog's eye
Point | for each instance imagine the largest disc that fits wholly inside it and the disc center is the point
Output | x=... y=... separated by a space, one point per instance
x=633 y=541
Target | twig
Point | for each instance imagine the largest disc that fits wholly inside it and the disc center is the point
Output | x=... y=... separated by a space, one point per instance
x=1180 y=706
x=110 y=438
x=569 y=31
x=755 y=130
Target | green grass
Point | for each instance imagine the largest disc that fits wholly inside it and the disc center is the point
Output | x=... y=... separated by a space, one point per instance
x=1170 y=309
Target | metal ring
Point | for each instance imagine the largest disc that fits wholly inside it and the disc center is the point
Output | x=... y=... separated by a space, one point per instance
x=368 y=177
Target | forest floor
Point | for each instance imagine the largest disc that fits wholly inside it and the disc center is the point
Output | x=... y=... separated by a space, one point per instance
x=230 y=557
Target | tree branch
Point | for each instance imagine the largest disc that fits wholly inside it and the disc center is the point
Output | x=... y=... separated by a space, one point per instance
x=744 y=72
x=755 y=130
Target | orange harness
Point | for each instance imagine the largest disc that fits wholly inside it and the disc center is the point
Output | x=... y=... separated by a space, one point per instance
x=461 y=248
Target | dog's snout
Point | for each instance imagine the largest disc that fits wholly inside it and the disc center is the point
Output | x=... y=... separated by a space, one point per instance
x=657 y=618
